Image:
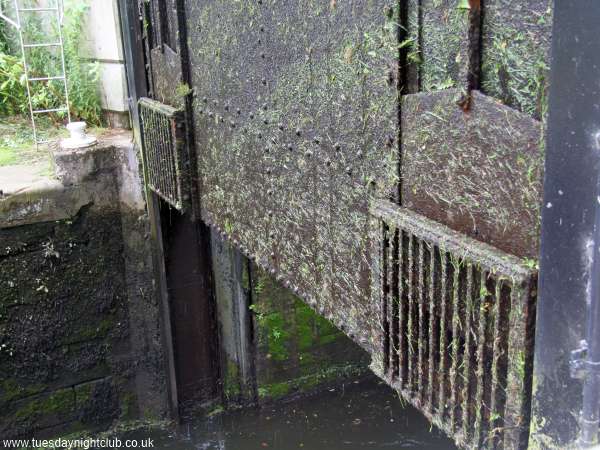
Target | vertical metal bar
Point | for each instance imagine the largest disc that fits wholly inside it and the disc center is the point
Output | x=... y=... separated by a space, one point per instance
x=411 y=312
x=394 y=301
x=148 y=148
x=468 y=353
x=378 y=290
x=482 y=342
x=165 y=156
x=516 y=421
x=496 y=403
x=156 y=153
x=572 y=161
x=137 y=82
x=178 y=147
x=163 y=163
x=402 y=308
x=443 y=331
x=385 y=296
x=433 y=387
x=421 y=325
x=455 y=346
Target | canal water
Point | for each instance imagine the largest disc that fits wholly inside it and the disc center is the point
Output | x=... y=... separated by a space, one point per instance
x=364 y=414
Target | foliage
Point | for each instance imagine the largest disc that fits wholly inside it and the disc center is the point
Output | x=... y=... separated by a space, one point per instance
x=13 y=96
x=82 y=76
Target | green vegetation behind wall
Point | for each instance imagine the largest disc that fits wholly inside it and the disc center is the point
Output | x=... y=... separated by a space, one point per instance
x=297 y=349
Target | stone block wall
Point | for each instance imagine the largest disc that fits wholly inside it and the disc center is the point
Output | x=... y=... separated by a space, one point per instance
x=80 y=343
x=273 y=345
x=297 y=350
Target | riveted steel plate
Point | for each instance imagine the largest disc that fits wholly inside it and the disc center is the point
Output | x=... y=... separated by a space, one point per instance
x=478 y=172
x=296 y=126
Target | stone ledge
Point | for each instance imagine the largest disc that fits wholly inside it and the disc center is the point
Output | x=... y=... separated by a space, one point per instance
x=84 y=175
x=45 y=201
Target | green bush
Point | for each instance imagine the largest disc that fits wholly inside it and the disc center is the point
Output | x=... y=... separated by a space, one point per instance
x=13 y=94
x=82 y=76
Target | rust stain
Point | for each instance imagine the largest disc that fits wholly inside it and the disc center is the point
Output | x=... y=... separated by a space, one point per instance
x=475 y=5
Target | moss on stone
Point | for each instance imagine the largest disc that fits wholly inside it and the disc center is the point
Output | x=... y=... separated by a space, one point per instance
x=59 y=402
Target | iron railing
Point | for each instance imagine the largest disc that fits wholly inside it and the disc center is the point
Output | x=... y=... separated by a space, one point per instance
x=457 y=322
x=163 y=145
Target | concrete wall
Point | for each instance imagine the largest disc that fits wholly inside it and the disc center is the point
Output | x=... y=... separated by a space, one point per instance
x=80 y=343
x=103 y=44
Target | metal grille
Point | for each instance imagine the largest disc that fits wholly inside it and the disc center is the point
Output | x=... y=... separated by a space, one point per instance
x=162 y=147
x=457 y=329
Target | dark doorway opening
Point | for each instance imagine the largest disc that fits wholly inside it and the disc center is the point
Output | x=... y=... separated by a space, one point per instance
x=186 y=252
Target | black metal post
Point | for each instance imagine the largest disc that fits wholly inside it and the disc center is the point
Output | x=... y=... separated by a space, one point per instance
x=137 y=83
x=591 y=369
x=568 y=306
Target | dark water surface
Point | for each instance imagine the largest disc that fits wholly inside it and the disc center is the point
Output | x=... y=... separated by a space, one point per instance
x=365 y=415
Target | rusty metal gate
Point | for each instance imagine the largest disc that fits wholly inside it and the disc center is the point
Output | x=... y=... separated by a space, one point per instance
x=383 y=160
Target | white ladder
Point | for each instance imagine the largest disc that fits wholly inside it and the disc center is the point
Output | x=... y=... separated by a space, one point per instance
x=57 y=11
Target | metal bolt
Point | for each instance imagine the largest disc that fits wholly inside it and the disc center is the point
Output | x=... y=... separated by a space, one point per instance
x=298 y=132
x=290 y=147
x=239 y=111
x=348 y=170
x=308 y=153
